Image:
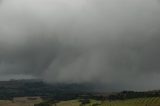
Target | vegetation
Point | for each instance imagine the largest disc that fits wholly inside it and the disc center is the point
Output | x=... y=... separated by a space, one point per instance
x=148 y=101
x=22 y=88
x=38 y=93
x=43 y=104
x=25 y=101
x=131 y=94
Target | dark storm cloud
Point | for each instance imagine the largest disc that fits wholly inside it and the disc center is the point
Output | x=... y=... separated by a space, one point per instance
x=115 y=42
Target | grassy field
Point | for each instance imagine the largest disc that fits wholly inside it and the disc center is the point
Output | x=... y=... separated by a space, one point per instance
x=26 y=101
x=152 y=101
x=69 y=103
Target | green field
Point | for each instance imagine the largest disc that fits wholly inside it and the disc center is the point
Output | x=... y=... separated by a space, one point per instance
x=152 y=101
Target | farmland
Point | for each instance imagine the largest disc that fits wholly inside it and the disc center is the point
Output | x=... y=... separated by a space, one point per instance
x=21 y=101
x=151 y=101
x=38 y=93
x=30 y=101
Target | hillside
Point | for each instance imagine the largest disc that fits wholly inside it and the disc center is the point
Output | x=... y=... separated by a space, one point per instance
x=20 y=88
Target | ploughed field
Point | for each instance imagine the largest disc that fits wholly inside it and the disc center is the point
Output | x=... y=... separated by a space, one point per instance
x=37 y=101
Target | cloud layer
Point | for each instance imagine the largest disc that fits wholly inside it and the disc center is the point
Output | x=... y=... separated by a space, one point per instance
x=78 y=41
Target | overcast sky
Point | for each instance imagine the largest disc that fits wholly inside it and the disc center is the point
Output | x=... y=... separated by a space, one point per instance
x=114 y=42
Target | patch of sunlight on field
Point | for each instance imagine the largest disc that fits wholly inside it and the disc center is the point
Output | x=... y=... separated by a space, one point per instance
x=21 y=101
x=93 y=102
x=68 y=103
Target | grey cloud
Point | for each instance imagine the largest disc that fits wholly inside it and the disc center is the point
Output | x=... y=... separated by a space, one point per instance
x=78 y=41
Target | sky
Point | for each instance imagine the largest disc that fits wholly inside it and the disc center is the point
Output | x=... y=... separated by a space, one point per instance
x=112 y=42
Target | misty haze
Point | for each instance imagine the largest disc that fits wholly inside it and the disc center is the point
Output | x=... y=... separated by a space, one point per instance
x=99 y=45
